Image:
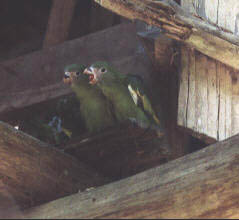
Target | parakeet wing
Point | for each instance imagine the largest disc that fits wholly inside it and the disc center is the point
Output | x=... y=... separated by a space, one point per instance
x=138 y=94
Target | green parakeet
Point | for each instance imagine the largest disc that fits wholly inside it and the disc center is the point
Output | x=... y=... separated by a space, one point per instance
x=127 y=94
x=95 y=109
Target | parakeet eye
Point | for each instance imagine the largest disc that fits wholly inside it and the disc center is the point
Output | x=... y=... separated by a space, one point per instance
x=103 y=70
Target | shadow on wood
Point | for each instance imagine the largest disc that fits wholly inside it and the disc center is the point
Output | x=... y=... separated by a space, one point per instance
x=37 y=77
x=200 y=185
x=32 y=172
x=121 y=151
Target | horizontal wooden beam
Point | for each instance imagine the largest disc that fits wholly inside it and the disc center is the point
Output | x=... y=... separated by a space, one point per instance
x=200 y=185
x=37 y=77
x=32 y=172
x=181 y=25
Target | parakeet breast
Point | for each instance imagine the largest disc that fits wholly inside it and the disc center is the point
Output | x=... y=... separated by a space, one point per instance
x=94 y=108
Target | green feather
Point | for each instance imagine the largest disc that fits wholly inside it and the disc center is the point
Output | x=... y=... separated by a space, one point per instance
x=128 y=96
x=94 y=107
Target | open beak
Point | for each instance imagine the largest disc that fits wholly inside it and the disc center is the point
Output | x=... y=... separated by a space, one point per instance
x=92 y=72
x=67 y=78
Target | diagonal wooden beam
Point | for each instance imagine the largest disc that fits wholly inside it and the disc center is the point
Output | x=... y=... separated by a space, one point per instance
x=37 y=77
x=200 y=185
x=32 y=172
x=182 y=26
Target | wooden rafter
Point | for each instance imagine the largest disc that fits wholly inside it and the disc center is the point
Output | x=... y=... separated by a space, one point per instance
x=209 y=39
x=32 y=172
x=201 y=185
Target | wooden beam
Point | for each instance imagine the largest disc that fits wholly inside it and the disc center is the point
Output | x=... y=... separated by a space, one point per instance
x=32 y=172
x=178 y=24
x=209 y=89
x=164 y=56
x=59 y=22
x=37 y=77
x=100 y=18
x=121 y=151
x=200 y=185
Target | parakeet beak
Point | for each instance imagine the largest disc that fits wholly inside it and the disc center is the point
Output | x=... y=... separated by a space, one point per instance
x=92 y=72
x=67 y=78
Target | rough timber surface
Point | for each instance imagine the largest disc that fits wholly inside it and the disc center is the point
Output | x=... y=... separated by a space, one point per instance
x=37 y=77
x=209 y=95
x=200 y=185
x=32 y=172
x=59 y=23
x=181 y=25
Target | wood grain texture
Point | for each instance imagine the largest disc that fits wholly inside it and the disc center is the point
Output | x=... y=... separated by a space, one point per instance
x=200 y=185
x=46 y=67
x=206 y=106
x=235 y=101
x=191 y=101
x=183 y=94
x=224 y=13
x=59 y=22
x=32 y=172
x=212 y=98
x=180 y=25
x=214 y=101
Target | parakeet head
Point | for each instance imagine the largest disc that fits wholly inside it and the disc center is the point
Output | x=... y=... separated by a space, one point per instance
x=74 y=73
x=98 y=71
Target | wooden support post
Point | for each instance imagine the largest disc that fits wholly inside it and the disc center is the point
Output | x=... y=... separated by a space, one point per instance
x=201 y=185
x=32 y=172
x=163 y=53
x=178 y=24
x=59 y=22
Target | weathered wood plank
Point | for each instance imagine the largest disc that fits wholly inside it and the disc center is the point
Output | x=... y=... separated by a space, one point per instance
x=214 y=92
x=183 y=90
x=201 y=94
x=212 y=99
x=209 y=102
x=202 y=8
x=225 y=99
x=200 y=185
x=32 y=172
x=182 y=26
x=191 y=94
x=46 y=67
x=59 y=22
x=228 y=16
x=235 y=101
x=228 y=104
